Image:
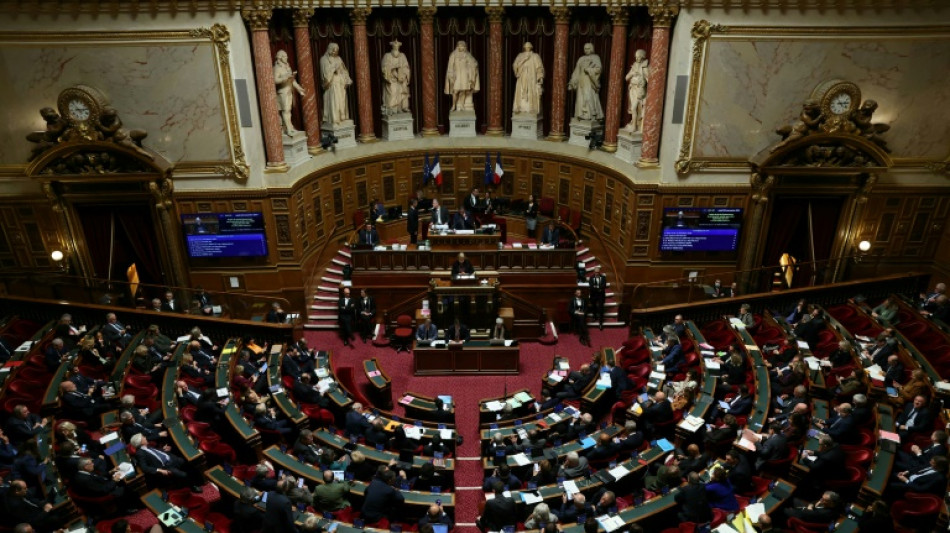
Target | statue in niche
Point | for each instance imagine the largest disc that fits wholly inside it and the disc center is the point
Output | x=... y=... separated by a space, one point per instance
x=529 y=71
x=461 y=78
x=336 y=78
x=284 y=79
x=637 y=89
x=585 y=81
x=396 y=74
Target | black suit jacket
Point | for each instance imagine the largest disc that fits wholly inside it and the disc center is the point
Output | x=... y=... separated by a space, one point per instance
x=168 y=308
x=369 y=237
x=774 y=448
x=499 y=512
x=574 y=307
x=94 y=485
x=380 y=501
x=922 y=422
x=551 y=236
x=658 y=412
x=22 y=430
x=368 y=307
x=463 y=222
x=829 y=464
x=819 y=515
x=464 y=267
x=443 y=213
x=306 y=394
x=346 y=309
x=463 y=333
x=412 y=221
x=278 y=514
x=694 y=507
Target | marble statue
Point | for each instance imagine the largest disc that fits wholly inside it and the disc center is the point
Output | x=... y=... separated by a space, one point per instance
x=461 y=78
x=530 y=74
x=585 y=80
x=395 y=81
x=637 y=89
x=335 y=81
x=286 y=85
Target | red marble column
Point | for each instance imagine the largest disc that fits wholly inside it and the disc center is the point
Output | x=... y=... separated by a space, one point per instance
x=656 y=85
x=311 y=114
x=495 y=70
x=430 y=122
x=618 y=57
x=562 y=20
x=258 y=20
x=364 y=91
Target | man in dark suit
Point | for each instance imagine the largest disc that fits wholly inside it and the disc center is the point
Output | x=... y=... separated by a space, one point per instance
x=473 y=202
x=578 y=310
x=824 y=511
x=808 y=331
x=598 y=294
x=692 y=500
x=919 y=457
x=381 y=500
x=571 y=509
x=88 y=483
x=930 y=479
x=355 y=423
x=412 y=221
x=19 y=507
x=436 y=515
x=742 y=404
x=368 y=235
x=305 y=392
x=78 y=405
x=55 y=354
x=278 y=510
x=114 y=332
x=739 y=471
x=130 y=427
x=463 y=220
x=367 y=313
x=673 y=356
x=841 y=426
x=162 y=463
x=305 y=449
x=603 y=450
x=659 y=410
x=346 y=307
x=883 y=348
x=894 y=373
x=458 y=332
x=577 y=383
x=773 y=448
x=170 y=304
x=427 y=331
x=914 y=419
x=827 y=463
x=462 y=266
x=551 y=234
x=500 y=511
x=619 y=381
x=440 y=215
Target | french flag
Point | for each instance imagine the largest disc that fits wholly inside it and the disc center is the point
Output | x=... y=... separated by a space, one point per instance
x=499 y=172
x=437 y=171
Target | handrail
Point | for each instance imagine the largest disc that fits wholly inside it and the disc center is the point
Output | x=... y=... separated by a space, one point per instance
x=618 y=290
x=309 y=284
x=403 y=307
x=538 y=311
x=118 y=293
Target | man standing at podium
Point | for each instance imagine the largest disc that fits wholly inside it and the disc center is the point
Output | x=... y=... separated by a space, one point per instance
x=462 y=266
x=346 y=308
x=598 y=293
x=578 y=310
x=367 y=310
x=369 y=235
x=427 y=331
x=412 y=221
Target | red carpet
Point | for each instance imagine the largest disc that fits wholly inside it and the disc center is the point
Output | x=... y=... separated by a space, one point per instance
x=465 y=390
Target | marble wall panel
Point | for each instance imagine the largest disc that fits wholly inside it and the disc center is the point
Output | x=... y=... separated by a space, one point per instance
x=754 y=84
x=169 y=89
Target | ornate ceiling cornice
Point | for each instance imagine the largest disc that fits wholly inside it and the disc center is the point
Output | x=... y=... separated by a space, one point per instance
x=75 y=8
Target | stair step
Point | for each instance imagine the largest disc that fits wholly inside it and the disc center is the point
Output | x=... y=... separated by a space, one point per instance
x=344 y=253
x=325 y=298
x=328 y=288
x=324 y=318
x=331 y=279
x=336 y=271
x=319 y=326
x=339 y=262
x=582 y=251
x=607 y=324
x=325 y=307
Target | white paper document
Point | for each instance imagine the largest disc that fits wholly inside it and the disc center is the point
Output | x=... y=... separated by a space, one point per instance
x=618 y=471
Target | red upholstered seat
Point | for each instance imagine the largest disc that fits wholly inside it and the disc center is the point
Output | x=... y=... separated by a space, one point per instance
x=916 y=509
x=546 y=206
x=218 y=450
x=359 y=218
x=852 y=479
x=402 y=335
x=799 y=526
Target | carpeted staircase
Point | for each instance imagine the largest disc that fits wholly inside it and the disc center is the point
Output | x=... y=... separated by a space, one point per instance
x=323 y=315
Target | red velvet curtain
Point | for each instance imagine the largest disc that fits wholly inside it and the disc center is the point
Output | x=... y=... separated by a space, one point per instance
x=788 y=231
x=134 y=241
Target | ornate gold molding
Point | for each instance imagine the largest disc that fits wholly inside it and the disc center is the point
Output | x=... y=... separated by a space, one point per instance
x=495 y=13
x=619 y=15
x=704 y=31
x=360 y=14
x=426 y=14
x=302 y=17
x=257 y=19
x=562 y=15
x=663 y=14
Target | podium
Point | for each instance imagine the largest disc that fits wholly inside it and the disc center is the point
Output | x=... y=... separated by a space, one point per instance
x=474 y=301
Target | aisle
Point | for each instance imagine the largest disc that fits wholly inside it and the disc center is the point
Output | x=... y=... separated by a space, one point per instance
x=465 y=390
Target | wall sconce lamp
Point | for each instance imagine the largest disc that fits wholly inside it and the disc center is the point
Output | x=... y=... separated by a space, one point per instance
x=58 y=258
x=863 y=248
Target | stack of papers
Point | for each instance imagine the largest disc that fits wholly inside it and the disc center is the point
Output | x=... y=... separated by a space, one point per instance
x=754 y=511
x=803 y=345
x=736 y=323
x=407 y=399
x=325 y=384
x=447 y=434
x=521 y=459
x=875 y=372
x=413 y=432
x=531 y=498
x=523 y=397
x=109 y=437
x=712 y=365
x=603 y=382
x=610 y=523
x=891 y=436
x=322 y=372
x=618 y=472
x=660 y=376
x=942 y=385
x=513 y=402
x=516 y=245
x=636 y=409
x=691 y=423
x=373 y=374
x=813 y=363
x=570 y=487
x=494 y=405
x=563 y=365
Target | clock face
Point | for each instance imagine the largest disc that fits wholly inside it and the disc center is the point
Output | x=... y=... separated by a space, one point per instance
x=840 y=103
x=78 y=110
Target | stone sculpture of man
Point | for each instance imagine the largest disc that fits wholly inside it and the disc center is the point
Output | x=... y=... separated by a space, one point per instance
x=461 y=78
x=286 y=85
x=395 y=81
x=530 y=74
x=335 y=81
x=585 y=80
x=637 y=89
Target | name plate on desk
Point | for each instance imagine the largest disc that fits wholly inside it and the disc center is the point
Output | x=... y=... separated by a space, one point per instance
x=465 y=232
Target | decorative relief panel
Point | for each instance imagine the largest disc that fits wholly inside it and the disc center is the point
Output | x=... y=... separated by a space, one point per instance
x=644 y=217
x=283 y=229
x=564 y=191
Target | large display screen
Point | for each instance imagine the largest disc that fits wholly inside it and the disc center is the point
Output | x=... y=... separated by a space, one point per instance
x=215 y=235
x=701 y=229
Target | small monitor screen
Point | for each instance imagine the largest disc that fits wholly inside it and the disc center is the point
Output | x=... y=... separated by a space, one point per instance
x=701 y=229
x=216 y=235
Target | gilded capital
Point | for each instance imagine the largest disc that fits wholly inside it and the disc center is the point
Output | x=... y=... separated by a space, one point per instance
x=302 y=17
x=257 y=19
x=619 y=15
x=495 y=13
x=663 y=15
x=426 y=14
x=561 y=14
x=360 y=14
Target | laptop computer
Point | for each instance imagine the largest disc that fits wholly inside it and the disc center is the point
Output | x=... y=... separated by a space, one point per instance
x=424 y=343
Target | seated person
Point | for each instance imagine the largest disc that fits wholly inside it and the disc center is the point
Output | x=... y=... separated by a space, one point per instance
x=56 y=353
x=163 y=464
x=463 y=220
x=824 y=511
x=458 y=332
x=115 y=333
x=551 y=235
x=929 y=479
x=369 y=235
x=427 y=331
x=462 y=266
x=720 y=493
x=498 y=332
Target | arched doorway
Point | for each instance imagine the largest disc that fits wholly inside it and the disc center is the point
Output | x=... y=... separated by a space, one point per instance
x=803 y=229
